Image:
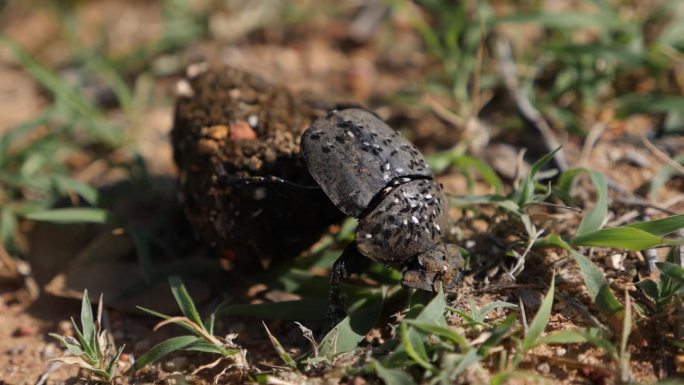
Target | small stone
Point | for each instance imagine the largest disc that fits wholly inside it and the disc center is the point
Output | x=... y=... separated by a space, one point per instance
x=216 y=132
x=196 y=69
x=615 y=261
x=235 y=93
x=242 y=130
x=24 y=331
x=184 y=89
x=253 y=120
x=65 y=328
x=544 y=368
x=51 y=350
x=207 y=146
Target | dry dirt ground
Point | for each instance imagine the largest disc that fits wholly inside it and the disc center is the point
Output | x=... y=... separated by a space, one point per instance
x=330 y=56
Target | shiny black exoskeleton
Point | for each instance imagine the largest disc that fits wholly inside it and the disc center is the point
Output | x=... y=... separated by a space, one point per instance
x=369 y=171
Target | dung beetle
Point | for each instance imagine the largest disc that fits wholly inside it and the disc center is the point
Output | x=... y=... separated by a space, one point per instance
x=370 y=172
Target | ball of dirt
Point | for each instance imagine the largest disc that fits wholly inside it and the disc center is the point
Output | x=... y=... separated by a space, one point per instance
x=230 y=118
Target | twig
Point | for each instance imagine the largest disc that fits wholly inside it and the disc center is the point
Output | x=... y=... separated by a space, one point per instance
x=662 y=156
x=443 y=112
x=644 y=203
x=7 y=263
x=475 y=90
x=593 y=137
x=527 y=109
x=523 y=316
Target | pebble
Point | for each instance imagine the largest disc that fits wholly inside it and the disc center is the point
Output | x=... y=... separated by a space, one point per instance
x=65 y=328
x=51 y=350
x=544 y=368
x=24 y=331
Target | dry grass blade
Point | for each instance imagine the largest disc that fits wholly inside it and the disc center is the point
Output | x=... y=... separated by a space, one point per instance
x=662 y=156
x=508 y=71
x=187 y=322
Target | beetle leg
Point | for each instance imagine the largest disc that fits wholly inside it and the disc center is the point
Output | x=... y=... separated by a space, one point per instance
x=226 y=179
x=443 y=263
x=350 y=262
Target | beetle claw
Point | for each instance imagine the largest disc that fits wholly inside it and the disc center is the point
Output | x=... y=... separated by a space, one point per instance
x=441 y=264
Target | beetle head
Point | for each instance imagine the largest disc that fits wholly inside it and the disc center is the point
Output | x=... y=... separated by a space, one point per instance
x=443 y=263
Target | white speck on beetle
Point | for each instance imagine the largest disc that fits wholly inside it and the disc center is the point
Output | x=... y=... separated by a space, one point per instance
x=414 y=219
x=387 y=166
x=351 y=135
x=428 y=197
x=399 y=170
x=437 y=227
x=368 y=236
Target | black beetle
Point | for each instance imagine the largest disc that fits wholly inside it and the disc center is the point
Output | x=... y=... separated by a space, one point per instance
x=369 y=171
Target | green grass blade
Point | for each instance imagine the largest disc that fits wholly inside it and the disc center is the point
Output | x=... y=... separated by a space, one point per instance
x=72 y=348
x=88 y=322
x=282 y=353
x=482 y=168
x=541 y=162
x=595 y=218
x=307 y=309
x=594 y=279
x=184 y=300
x=74 y=215
x=84 y=190
x=414 y=348
x=619 y=237
x=346 y=335
x=659 y=180
x=392 y=376
x=499 y=332
x=154 y=313
x=470 y=358
x=208 y=347
x=438 y=330
x=164 y=348
x=541 y=319
x=564 y=337
x=65 y=94
x=112 y=363
x=8 y=227
x=480 y=314
x=672 y=271
x=661 y=227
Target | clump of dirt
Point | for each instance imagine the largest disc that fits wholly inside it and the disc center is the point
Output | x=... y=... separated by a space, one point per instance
x=229 y=120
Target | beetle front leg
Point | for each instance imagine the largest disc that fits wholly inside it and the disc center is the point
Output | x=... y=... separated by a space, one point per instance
x=350 y=262
x=441 y=264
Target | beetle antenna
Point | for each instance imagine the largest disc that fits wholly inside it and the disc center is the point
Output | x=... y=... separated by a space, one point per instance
x=226 y=179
